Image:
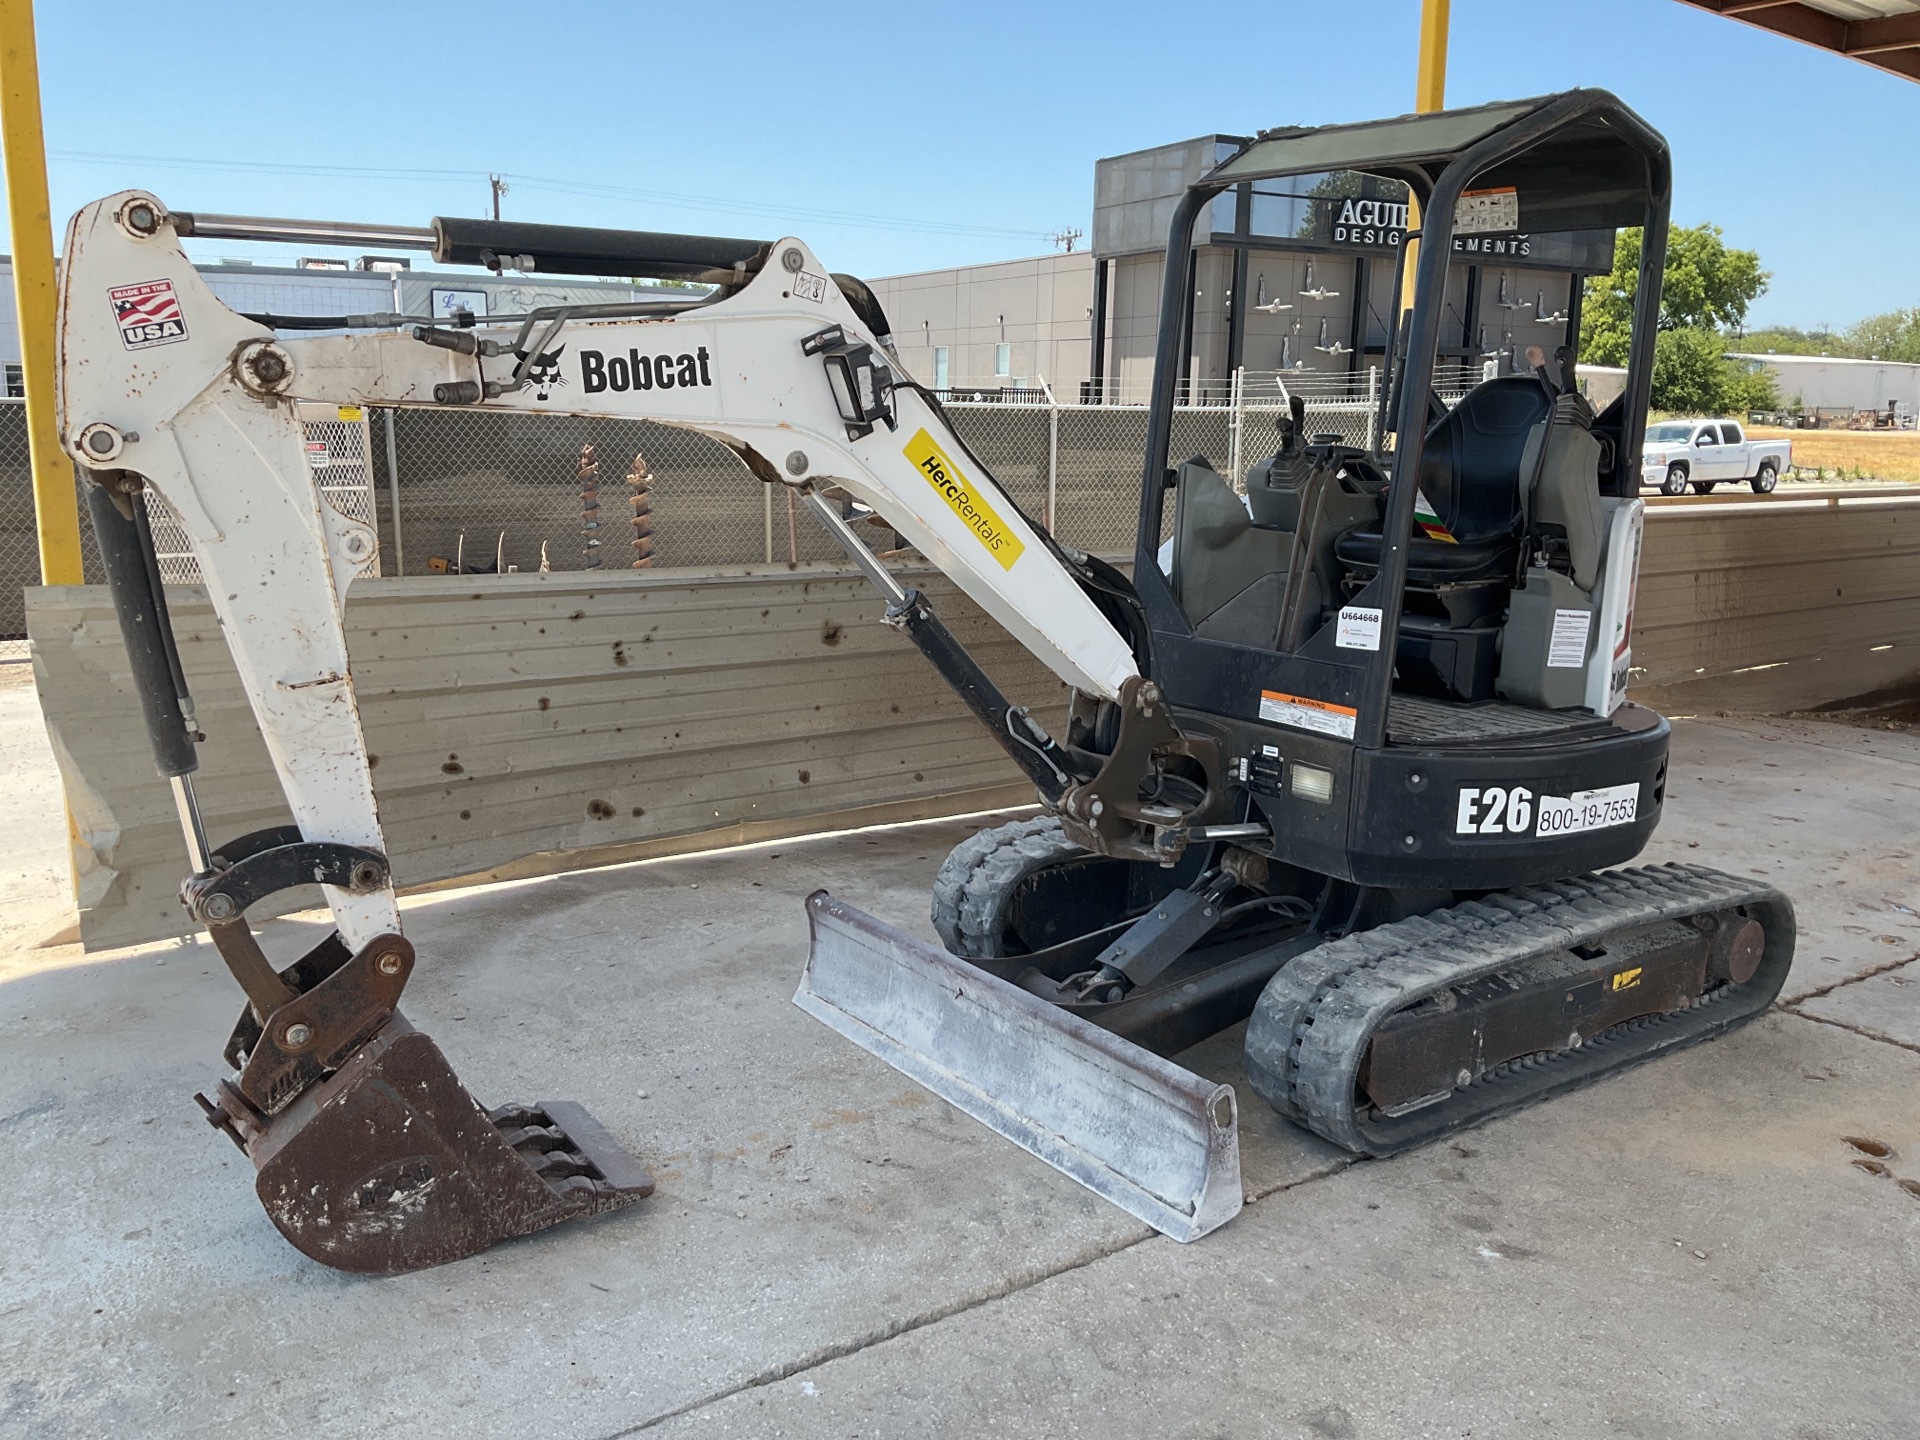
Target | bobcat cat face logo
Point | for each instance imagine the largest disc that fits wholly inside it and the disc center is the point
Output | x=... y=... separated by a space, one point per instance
x=543 y=375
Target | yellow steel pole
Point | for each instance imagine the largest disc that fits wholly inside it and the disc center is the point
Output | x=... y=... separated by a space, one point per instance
x=1430 y=87
x=56 y=505
x=56 y=502
x=1429 y=93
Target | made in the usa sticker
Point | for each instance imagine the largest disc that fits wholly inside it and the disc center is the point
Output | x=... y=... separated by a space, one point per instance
x=148 y=314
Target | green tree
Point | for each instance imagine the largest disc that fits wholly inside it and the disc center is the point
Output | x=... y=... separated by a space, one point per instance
x=1892 y=336
x=1786 y=340
x=1705 y=285
x=1687 y=371
x=1750 y=386
x=1706 y=289
x=1692 y=376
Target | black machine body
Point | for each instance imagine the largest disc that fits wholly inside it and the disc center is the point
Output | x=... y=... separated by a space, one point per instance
x=1382 y=731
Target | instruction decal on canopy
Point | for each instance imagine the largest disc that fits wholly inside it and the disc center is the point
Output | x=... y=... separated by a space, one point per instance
x=1487 y=212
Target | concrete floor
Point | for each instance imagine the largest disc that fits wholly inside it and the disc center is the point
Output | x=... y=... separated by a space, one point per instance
x=1686 y=1249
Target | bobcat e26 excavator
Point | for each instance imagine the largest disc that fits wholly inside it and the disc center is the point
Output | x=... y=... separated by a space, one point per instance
x=1347 y=768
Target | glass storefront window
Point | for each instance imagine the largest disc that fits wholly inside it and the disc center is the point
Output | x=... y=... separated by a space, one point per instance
x=1223 y=215
x=1277 y=216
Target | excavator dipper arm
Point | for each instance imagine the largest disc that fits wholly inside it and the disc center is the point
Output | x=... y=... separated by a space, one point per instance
x=370 y=1154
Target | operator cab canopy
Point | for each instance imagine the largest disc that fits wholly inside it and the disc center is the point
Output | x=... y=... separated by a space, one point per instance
x=1581 y=161
x=1598 y=170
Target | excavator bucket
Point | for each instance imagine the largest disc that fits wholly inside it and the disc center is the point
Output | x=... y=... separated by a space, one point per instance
x=389 y=1165
x=1158 y=1141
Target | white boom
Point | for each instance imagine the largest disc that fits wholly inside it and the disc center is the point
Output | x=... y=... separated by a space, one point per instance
x=162 y=379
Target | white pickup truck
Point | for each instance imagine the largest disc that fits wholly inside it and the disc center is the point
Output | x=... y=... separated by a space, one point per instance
x=1705 y=453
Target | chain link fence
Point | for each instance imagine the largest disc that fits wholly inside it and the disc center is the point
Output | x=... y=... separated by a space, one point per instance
x=19 y=543
x=19 y=538
x=487 y=490
x=528 y=492
x=475 y=491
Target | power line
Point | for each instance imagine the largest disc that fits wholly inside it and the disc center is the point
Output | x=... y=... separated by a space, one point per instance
x=706 y=203
x=260 y=167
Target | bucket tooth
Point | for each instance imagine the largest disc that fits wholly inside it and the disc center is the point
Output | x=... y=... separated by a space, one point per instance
x=1158 y=1141
x=389 y=1165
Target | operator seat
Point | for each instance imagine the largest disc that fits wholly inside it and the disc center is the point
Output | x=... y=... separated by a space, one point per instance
x=1470 y=473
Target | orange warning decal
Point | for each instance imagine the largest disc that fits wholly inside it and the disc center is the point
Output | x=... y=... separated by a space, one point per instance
x=1305 y=713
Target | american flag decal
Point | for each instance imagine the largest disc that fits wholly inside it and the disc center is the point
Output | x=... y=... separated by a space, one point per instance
x=148 y=314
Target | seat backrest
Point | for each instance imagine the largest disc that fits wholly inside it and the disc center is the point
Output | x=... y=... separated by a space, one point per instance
x=1470 y=470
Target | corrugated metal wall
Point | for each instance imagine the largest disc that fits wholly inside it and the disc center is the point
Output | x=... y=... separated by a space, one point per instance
x=513 y=718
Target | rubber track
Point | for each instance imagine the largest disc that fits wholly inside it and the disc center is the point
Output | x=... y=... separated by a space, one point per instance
x=977 y=879
x=1309 y=1033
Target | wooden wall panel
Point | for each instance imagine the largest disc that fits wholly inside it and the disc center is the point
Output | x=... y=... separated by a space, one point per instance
x=529 y=723
x=1786 y=607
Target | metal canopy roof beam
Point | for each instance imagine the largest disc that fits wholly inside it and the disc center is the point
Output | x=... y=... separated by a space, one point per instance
x=1877 y=37
x=1887 y=42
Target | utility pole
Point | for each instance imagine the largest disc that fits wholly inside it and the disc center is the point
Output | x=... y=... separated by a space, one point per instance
x=500 y=187
x=56 y=504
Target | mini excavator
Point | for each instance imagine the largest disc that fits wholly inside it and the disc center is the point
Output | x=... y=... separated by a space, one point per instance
x=1347 y=756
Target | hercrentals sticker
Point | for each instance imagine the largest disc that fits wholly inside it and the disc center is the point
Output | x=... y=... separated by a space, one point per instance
x=944 y=476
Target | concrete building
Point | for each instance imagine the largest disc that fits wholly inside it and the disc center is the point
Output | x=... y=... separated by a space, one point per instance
x=1836 y=385
x=1006 y=326
x=1299 y=274
x=1292 y=276
x=11 y=386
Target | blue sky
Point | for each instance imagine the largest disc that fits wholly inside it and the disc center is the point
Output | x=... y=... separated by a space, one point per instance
x=911 y=137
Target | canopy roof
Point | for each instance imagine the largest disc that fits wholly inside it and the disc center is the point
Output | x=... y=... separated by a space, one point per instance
x=1882 y=33
x=1594 y=164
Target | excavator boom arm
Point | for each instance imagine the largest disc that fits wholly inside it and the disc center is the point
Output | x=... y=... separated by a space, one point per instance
x=164 y=388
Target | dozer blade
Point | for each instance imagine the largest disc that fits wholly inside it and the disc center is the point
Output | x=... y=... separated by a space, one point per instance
x=1160 y=1142
x=389 y=1165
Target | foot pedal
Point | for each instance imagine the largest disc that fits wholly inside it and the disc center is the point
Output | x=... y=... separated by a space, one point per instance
x=389 y=1165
